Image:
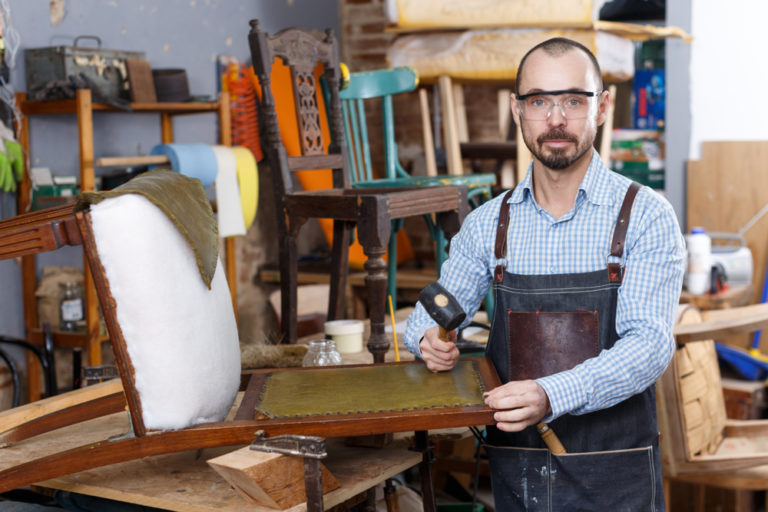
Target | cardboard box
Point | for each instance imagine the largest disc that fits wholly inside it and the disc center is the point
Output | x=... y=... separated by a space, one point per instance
x=639 y=155
x=649 y=93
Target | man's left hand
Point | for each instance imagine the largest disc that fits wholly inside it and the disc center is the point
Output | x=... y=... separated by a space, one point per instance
x=519 y=404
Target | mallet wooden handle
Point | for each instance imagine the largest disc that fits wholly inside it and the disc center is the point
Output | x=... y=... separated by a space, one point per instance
x=444 y=335
x=551 y=439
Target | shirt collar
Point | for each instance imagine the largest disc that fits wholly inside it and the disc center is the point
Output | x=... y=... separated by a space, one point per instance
x=594 y=186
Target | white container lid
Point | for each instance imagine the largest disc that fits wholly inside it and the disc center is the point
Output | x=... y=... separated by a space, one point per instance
x=340 y=327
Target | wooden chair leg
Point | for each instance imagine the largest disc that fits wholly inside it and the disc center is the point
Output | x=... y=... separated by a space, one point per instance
x=288 y=284
x=390 y=496
x=392 y=267
x=700 y=498
x=376 y=283
x=339 y=270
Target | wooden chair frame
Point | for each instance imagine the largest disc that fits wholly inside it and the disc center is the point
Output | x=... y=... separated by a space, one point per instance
x=51 y=229
x=371 y=210
x=672 y=421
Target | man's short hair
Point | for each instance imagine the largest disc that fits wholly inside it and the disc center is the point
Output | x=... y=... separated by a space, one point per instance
x=555 y=47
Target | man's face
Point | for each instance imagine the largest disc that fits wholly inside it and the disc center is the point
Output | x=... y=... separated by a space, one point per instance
x=560 y=139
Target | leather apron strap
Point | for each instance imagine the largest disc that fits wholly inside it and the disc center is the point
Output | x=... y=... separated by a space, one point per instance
x=615 y=270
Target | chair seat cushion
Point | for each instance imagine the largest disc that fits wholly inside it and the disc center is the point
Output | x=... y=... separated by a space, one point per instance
x=181 y=337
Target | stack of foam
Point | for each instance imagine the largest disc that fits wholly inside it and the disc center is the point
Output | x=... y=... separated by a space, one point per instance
x=485 y=40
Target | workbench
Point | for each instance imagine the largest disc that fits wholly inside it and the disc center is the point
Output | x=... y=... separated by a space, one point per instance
x=184 y=482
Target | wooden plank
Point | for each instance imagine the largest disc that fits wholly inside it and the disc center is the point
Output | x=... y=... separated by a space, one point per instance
x=426 y=130
x=184 y=482
x=523 y=155
x=141 y=81
x=14 y=417
x=450 y=126
x=721 y=323
x=269 y=479
x=607 y=133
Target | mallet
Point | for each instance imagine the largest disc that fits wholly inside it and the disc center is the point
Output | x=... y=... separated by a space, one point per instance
x=446 y=311
x=442 y=307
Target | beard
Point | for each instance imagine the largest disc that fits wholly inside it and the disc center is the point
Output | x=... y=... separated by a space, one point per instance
x=558 y=158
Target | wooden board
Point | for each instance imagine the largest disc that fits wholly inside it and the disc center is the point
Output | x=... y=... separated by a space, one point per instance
x=184 y=481
x=141 y=81
x=726 y=188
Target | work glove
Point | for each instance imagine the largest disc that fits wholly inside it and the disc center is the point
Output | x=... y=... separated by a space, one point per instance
x=16 y=157
x=7 y=183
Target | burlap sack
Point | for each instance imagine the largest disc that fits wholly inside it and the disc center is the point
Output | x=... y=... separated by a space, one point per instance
x=48 y=293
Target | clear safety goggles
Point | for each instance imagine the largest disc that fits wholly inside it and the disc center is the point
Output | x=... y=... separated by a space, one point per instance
x=537 y=106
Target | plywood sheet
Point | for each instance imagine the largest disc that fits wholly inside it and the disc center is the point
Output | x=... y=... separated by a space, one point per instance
x=726 y=188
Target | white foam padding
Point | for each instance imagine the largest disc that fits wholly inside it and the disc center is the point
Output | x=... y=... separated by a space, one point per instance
x=181 y=337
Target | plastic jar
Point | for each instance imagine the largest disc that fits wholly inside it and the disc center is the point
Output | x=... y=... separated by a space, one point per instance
x=321 y=353
x=348 y=335
x=699 y=247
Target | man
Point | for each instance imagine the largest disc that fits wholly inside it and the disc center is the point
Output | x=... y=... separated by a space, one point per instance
x=586 y=277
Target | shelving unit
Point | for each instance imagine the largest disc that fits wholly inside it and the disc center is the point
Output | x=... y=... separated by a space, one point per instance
x=84 y=108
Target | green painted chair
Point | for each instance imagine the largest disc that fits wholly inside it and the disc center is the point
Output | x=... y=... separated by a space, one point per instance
x=383 y=84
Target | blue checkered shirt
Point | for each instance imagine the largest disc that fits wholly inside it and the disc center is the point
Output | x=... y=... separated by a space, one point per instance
x=579 y=241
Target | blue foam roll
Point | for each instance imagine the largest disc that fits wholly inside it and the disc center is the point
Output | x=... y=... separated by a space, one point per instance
x=193 y=160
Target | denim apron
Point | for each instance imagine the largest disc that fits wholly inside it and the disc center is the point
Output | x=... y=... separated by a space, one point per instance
x=543 y=324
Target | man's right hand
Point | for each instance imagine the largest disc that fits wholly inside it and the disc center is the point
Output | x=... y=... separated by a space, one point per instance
x=439 y=355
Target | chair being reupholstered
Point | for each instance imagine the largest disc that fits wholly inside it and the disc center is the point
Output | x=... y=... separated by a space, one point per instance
x=699 y=444
x=370 y=210
x=169 y=314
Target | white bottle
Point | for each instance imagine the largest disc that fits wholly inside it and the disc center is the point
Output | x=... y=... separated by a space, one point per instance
x=699 y=247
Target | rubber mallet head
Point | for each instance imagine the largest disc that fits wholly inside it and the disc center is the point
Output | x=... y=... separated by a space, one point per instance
x=442 y=307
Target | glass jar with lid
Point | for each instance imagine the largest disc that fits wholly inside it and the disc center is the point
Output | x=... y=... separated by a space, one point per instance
x=72 y=312
x=322 y=353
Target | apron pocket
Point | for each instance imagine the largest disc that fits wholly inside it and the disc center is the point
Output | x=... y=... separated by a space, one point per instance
x=527 y=479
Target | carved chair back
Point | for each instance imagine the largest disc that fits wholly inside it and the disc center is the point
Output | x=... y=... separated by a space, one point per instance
x=303 y=53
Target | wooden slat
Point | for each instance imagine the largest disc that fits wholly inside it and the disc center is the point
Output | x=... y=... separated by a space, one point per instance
x=121 y=161
x=426 y=132
x=450 y=126
x=301 y=163
x=723 y=323
x=14 y=417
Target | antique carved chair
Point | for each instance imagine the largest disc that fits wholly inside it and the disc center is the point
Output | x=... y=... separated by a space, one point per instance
x=699 y=444
x=169 y=314
x=370 y=210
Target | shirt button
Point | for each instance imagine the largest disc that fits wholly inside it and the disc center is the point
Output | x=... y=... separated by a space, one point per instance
x=552 y=269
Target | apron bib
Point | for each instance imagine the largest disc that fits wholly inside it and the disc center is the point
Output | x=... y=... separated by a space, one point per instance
x=544 y=324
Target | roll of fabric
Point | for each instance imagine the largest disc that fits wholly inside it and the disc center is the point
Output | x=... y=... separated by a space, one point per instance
x=229 y=208
x=248 y=179
x=193 y=160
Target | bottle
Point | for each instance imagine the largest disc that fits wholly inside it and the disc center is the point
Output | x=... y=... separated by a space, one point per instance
x=699 y=247
x=322 y=353
x=71 y=306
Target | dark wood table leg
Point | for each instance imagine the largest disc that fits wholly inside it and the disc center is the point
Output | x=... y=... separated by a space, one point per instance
x=425 y=469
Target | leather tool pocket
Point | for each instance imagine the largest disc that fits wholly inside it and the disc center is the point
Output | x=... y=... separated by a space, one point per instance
x=543 y=343
x=534 y=479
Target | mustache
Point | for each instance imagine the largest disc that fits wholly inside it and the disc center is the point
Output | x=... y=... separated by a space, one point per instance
x=557 y=134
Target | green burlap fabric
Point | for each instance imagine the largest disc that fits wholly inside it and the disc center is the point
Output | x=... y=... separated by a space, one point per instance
x=184 y=201
x=368 y=389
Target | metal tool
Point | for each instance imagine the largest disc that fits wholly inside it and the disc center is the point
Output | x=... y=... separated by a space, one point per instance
x=442 y=307
x=311 y=449
x=446 y=311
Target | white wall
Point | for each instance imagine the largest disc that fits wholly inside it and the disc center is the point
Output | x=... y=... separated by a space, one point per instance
x=728 y=72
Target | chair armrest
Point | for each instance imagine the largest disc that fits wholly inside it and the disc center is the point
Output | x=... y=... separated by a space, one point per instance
x=725 y=322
